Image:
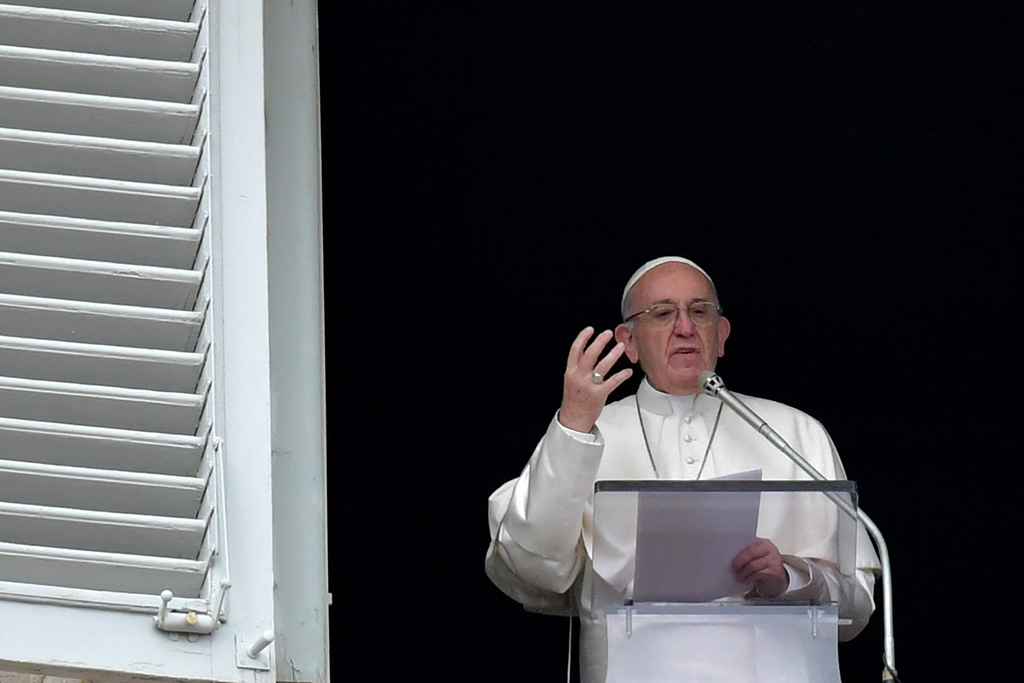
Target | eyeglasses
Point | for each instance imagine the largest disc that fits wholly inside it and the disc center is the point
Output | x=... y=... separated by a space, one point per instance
x=701 y=313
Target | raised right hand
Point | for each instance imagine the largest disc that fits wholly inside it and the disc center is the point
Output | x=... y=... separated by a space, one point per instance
x=582 y=399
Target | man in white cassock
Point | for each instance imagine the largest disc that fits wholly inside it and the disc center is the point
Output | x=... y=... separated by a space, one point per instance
x=542 y=532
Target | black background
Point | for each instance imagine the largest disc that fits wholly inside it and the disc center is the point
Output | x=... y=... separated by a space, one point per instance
x=494 y=172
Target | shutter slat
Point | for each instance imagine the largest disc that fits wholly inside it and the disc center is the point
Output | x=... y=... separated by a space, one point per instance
x=98 y=115
x=106 y=34
x=84 y=404
x=80 y=321
x=118 y=242
x=102 y=531
x=98 y=198
x=114 y=366
x=135 y=285
x=92 y=489
x=51 y=443
x=144 y=79
x=79 y=155
x=175 y=10
x=31 y=564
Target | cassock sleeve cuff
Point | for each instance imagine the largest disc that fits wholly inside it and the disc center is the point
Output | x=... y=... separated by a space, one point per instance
x=593 y=436
x=804 y=582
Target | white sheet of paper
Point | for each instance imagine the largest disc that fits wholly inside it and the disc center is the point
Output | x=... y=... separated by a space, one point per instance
x=685 y=543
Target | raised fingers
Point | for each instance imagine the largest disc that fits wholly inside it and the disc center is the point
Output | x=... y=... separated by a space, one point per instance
x=588 y=360
x=584 y=394
x=611 y=358
x=612 y=383
x=578 y=345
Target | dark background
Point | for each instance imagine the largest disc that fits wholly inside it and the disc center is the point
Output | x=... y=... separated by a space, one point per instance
x=494 y=172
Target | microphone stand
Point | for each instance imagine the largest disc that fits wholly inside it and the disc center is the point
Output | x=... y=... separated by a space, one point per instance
x=713 y=385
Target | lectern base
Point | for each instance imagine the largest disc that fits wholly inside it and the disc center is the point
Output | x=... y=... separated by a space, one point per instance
x=723 y=642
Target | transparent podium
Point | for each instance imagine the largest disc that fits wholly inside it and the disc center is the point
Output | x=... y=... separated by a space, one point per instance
x=662 y=553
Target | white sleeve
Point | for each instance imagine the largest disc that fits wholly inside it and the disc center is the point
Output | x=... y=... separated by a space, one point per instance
x=536 y=521
x=824 y=582
x=819 y=582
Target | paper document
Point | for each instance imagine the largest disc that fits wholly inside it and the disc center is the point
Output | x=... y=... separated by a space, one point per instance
x=686 y=541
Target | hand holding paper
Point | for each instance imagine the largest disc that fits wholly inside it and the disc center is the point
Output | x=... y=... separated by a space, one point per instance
x=761 y=564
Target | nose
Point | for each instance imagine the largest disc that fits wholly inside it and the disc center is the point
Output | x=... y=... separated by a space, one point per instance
x=684 y=327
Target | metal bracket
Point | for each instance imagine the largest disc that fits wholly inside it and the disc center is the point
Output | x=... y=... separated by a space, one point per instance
x=255 y=655
x=190 y=622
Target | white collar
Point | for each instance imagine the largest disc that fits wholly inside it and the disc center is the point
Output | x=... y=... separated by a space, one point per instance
x=660 y=403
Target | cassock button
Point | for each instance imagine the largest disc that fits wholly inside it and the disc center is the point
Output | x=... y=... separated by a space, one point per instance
x=691 y=460
x=688 y=419
x=687 y=438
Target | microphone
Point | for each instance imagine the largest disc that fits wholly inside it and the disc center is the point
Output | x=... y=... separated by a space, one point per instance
x=713 y=385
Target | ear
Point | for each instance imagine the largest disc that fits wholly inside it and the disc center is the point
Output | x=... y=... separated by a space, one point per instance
x=724 y=328
x=624 y=334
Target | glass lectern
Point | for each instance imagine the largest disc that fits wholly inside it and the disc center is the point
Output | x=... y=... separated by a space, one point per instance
x=662 y=553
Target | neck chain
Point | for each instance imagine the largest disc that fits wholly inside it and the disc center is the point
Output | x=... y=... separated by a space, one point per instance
x=650 y=455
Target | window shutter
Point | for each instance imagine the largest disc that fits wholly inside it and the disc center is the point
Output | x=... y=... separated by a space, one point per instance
x=120 y=289
x=102 y=337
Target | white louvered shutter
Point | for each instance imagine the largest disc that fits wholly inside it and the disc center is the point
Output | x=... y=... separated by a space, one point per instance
x=102 y=343
x=112 y=303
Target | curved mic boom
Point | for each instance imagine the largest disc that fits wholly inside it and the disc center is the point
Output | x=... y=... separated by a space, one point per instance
x=713 y=385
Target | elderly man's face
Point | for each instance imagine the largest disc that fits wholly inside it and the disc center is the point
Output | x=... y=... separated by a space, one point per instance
x=673 y=356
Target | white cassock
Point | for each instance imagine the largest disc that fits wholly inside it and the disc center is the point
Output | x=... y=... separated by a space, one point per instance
x=542 y=522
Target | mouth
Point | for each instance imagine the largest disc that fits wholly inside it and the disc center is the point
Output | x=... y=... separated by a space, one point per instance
x=684 y=351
